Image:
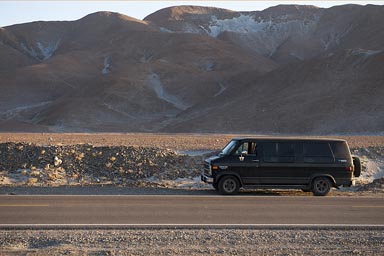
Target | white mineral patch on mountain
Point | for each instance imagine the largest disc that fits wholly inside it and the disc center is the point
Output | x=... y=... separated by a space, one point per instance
x=156 y=84
x=47 y=50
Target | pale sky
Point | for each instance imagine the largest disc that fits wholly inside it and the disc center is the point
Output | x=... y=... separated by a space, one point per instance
x=15 y=12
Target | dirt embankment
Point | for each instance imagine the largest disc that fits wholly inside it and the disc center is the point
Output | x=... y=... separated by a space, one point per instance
x=32 y=165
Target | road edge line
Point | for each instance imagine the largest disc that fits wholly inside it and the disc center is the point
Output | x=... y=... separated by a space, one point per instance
x=191 y=226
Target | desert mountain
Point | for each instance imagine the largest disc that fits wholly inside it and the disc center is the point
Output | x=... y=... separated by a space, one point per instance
x=287 y=69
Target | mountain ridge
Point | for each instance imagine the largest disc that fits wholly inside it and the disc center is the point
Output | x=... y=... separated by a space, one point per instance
x=197 y=69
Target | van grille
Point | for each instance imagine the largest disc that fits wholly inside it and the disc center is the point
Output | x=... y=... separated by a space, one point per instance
x=207 y=168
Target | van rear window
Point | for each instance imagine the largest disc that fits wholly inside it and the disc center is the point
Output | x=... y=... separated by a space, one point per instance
x=340 y=149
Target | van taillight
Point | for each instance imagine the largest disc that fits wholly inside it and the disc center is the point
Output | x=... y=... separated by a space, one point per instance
x=349 y=168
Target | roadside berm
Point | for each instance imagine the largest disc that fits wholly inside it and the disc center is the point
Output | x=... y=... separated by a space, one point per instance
x=84 y=164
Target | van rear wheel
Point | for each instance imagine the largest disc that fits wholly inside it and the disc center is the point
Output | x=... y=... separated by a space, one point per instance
x=229 y=185
x=321 y=186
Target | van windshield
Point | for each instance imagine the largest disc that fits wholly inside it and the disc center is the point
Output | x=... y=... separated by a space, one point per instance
x=229 y=148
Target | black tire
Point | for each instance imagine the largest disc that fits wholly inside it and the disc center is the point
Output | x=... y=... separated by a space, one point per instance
x=321 y=186
x=229 y=185
x=357 y=164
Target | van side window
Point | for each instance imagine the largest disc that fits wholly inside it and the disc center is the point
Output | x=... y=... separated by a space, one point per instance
x=252 y=149
x=317 y=152
x=243 y=147
x=279 y=152
x=248 y=146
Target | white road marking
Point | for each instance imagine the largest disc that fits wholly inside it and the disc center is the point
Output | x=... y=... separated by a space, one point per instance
x=199 y=226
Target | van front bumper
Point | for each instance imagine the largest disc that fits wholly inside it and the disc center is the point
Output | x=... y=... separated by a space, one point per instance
x=206 y=179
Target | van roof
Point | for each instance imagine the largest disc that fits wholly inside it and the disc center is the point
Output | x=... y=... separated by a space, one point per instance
x=272 y=138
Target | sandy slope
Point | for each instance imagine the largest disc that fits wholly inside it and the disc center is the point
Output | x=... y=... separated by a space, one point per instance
x=287 y=69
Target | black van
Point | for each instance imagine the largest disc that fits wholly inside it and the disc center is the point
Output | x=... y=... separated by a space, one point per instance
x=295 y=163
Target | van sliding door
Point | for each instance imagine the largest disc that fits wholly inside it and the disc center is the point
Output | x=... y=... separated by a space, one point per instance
x=278 y=163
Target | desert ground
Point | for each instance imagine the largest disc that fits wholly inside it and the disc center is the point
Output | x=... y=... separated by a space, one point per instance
x=171 y=161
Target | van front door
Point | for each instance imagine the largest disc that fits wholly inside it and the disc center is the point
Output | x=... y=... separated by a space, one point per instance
x=248 y=163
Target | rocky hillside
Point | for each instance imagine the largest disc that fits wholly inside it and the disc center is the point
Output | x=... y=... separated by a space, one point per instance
x=287 y=69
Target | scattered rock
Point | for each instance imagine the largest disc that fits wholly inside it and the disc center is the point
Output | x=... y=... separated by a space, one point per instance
x=57 y=161
x=29 y=164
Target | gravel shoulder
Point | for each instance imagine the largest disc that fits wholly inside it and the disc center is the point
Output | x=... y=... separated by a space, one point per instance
x=192 y=242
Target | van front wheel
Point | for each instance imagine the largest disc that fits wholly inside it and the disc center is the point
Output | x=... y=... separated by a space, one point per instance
x=229 y=185
x=321 y=186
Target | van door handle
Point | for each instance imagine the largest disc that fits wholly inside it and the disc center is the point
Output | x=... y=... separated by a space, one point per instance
x=255 y=160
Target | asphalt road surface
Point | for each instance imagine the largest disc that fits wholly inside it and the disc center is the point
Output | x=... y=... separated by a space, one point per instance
x=190 y=210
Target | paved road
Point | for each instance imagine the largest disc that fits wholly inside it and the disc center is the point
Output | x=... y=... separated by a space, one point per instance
x=190 y=210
